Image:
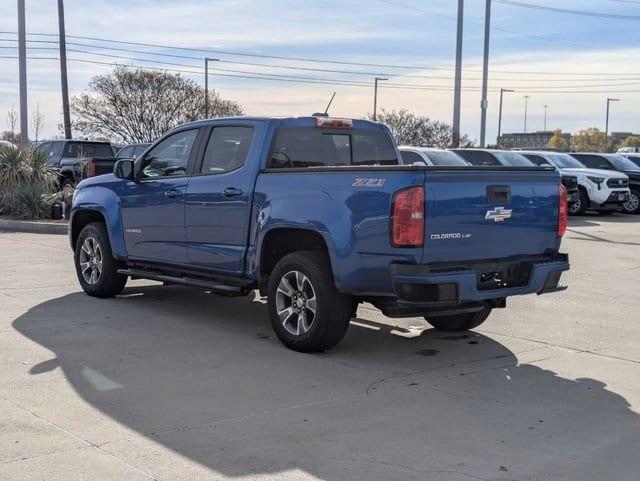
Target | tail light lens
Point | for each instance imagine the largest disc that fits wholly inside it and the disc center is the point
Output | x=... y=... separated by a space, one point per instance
x=407 y=219
x=563 y=211
x=90 y=168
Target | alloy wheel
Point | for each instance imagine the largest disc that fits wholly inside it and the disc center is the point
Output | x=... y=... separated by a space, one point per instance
x=296 y=303
x=633 y=203
x=91 y=260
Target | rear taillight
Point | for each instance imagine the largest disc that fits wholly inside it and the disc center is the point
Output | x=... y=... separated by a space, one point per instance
x=563 y=211
x=407 y=218
x=90 y=168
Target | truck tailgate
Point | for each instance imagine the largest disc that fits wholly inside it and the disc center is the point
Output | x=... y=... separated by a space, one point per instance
x=482 y=214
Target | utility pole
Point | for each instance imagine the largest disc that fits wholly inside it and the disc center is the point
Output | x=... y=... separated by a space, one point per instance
x=22 y=67
x=206 y=85
x=526 y=104
x=502 y=91
x=457 y=86
x=63 y=71
x=485 y=73
x=546 y=109
x=375 y=97
x=606 y=128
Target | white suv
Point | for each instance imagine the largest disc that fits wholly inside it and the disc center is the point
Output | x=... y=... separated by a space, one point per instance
x=599 y=189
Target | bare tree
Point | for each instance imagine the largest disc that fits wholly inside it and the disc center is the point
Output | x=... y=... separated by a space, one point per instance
x=12 y=119
x=137 y=105
x=37 y=122
x=412 y=129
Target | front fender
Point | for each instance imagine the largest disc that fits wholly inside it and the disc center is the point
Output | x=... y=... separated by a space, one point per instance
x=104 y=201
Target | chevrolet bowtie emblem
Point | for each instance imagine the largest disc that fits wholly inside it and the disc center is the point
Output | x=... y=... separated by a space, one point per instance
x=499 y=214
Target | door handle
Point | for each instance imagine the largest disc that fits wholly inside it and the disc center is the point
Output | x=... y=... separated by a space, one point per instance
x=232 y=192
x=173 y=193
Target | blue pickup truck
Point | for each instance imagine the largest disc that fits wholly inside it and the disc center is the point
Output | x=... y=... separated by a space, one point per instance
x=319 y=215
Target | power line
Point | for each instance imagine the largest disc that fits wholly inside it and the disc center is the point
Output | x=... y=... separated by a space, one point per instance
x=546 y=78
x=331 y=82
x=565 y=11
x=315 y=60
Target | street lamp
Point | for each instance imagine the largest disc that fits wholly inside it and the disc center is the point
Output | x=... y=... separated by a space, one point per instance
x=606 y=128
x=502 y=91
x=526 y=103
x=206 y=84
x=375 y=97
x=546 y=109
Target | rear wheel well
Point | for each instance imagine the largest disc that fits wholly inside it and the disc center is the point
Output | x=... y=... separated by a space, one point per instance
x=278 y=243
x=80 y=220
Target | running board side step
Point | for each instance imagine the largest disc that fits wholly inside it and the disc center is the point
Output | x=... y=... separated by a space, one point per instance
x=184 y=280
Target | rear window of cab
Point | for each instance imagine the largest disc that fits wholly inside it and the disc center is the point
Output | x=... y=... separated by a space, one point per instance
x=313 y=147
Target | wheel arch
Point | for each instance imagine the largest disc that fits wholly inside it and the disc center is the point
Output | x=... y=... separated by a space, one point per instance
x=281 y=241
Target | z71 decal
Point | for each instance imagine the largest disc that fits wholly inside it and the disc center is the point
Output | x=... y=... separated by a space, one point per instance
x=368 y=182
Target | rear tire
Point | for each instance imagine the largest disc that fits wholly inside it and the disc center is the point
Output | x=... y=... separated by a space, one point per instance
x=459 y=322
x=96 y=268
x=580 y=206
x=307 y=312
x=632 y=206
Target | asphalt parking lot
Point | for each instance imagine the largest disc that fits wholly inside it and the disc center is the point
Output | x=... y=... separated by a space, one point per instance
x=172 y=383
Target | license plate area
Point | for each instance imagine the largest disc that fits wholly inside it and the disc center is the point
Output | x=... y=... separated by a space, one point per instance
x=503 y=275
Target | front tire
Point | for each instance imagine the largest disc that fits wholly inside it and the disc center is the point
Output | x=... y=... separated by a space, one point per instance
x=632 y=206
x=307 y=312
x=459 y=322
x=96 y=268
x=579 y=207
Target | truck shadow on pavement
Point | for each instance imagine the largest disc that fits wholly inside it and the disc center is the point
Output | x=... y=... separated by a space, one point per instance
x=205 y=377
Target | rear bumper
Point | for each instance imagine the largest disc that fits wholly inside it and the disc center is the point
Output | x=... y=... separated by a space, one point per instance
x=442 y=286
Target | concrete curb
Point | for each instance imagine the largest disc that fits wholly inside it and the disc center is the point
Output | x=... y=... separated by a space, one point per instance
x=33 y=226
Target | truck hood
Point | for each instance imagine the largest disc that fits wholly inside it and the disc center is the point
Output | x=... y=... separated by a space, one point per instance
x=606 y=174
x=98 y=180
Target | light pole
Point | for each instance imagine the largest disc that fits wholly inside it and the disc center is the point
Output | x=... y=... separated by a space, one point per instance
x=206 y=85
x=484 y=103
x=64 y=84
x=375 y=96
x=22 y=75
x=502 y=91
x=457 y=85
x=526 y=104
x=546 y=110
x=606 y=128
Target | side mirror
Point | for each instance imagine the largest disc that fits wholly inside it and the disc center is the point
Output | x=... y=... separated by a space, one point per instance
x=123 y=169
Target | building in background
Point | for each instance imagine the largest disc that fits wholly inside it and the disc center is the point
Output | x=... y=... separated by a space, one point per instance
x=620 y=137
x=530 y=140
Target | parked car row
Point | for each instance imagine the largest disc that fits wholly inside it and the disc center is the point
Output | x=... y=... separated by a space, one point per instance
x=594 y=181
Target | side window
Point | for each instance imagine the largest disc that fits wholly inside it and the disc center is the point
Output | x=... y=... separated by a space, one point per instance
x=171 y=156
x=227 y=149
x=478 y=157
x=537 y=159
x=594 y=161
x=126 y=153
x=409 y=158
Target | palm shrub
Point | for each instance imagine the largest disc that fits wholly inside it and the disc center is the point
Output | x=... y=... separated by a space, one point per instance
x=27 y=184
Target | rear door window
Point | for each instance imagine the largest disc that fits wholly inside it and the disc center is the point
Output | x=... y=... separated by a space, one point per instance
x=537 y=159
x=313 y=147
x=227 y=149
x=478 y=157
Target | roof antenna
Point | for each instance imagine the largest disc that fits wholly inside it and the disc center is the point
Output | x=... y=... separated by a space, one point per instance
x=326 y=111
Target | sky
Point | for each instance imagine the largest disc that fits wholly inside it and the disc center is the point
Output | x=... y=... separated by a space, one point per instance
x=569 y=62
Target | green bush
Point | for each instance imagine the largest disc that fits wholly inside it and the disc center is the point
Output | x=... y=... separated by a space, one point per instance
x=27 y=185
